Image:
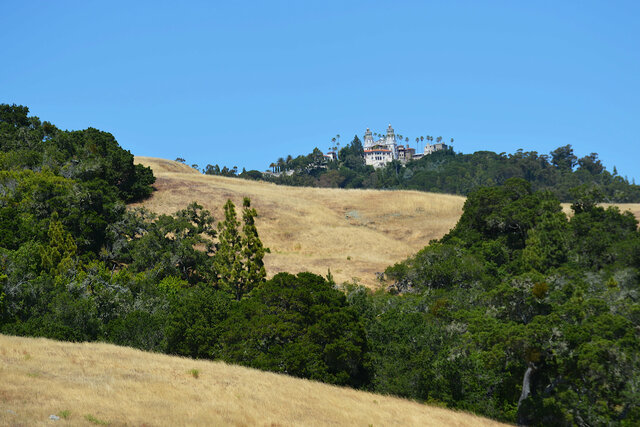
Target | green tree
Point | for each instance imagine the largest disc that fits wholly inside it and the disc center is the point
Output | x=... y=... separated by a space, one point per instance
x=229 y=258
x=563 y=158
x=299 y=325
x=58 y=255
x=253 y=250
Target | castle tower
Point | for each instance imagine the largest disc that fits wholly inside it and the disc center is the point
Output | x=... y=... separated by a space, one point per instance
x=391 y=136
x=368 y=138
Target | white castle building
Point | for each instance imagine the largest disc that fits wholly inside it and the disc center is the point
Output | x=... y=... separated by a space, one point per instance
x=385 y=149
x=379 y=153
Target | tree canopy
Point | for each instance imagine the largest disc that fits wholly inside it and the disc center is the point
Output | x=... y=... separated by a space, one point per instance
x=446 y=171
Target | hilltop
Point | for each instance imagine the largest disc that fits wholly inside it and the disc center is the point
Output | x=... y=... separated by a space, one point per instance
x=384 y=164
x=123 y=386
x=355 y=233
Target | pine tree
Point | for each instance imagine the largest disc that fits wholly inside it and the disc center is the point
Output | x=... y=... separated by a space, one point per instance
x=228 y=259
x=253 y=250
x=239 y=257
x=57 y=256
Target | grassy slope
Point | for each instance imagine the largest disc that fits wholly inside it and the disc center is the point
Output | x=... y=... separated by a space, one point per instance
x=123 y=386
x=313 y=229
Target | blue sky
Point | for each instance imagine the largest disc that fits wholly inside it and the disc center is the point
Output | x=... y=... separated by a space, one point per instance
x=243 y=83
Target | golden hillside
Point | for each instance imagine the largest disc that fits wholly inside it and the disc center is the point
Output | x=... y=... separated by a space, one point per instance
x=355 y=233
x=92 y=383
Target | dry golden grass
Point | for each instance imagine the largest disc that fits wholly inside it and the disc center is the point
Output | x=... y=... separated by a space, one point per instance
x=123 y=386
x=634 y=208
x=355 y=233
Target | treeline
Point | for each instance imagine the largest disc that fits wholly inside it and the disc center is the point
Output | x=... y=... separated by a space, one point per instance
x=455 y=173
x=519 y=313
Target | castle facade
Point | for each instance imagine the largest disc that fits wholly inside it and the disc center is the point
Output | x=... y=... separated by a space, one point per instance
x=384 y=150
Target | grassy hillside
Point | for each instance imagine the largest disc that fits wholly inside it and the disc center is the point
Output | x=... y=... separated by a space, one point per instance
x=122 y=386
x=356 y=233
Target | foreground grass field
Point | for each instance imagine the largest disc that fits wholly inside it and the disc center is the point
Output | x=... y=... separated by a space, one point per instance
x=355 y=233
x=93 y=384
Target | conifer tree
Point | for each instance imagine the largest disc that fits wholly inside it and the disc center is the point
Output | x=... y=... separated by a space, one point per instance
x=229 y=256
x=239 y=257
x=59 y=253
x=253 y=249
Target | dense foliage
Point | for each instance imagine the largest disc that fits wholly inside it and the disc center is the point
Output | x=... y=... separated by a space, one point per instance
x=83 y=176
x=518 y=313
x=456 y=173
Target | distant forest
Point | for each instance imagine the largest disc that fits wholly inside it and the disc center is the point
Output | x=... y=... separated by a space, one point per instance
x=449 y=172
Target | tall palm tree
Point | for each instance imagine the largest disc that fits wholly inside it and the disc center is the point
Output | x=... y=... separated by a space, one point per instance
x=439 y=139
x=273 y=167
x=452 y=140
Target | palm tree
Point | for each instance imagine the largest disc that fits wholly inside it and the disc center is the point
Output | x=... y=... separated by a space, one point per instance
x=273 y=167
x=451 y=140
x=439 y=139
x=280 y=164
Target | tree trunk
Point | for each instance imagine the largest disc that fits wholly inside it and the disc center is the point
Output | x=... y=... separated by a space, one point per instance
x=526 y=392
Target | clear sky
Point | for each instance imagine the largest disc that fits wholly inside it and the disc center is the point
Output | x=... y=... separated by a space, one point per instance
x=243 y=83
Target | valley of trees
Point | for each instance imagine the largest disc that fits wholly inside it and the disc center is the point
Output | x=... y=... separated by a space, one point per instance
x=448 y=172
x=519 y=313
